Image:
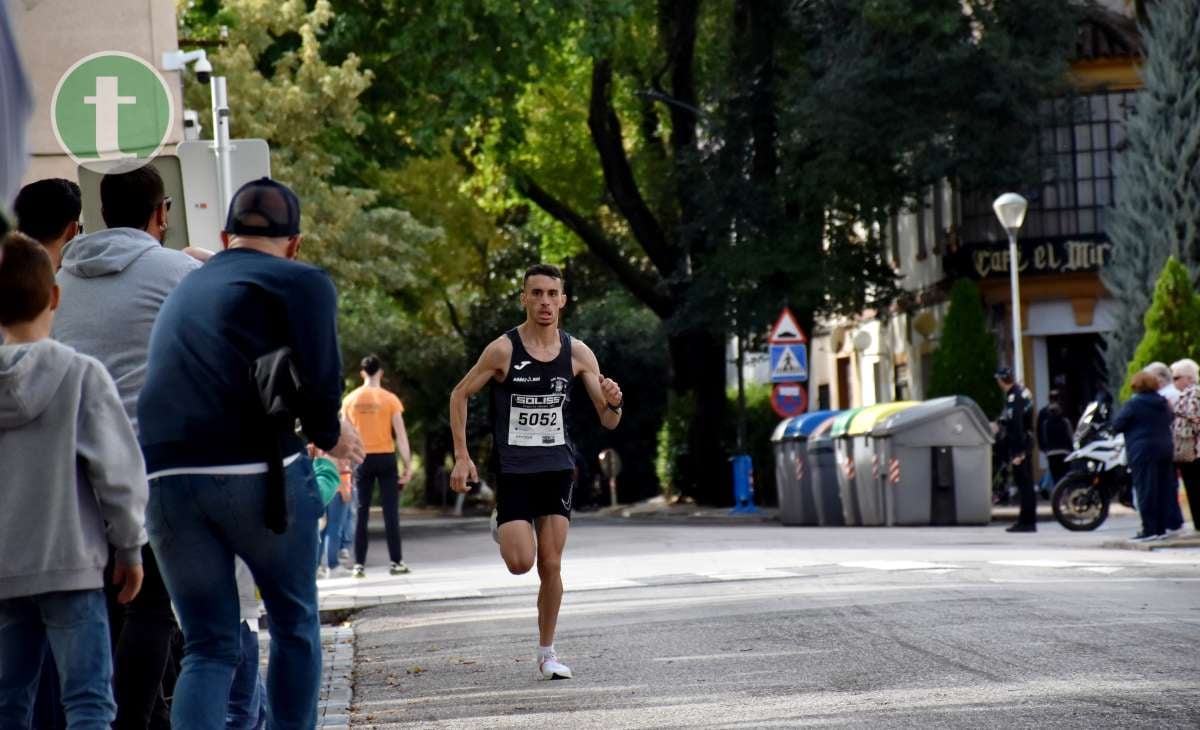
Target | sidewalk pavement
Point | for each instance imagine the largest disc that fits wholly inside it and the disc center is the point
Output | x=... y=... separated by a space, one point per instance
x=1186 y=539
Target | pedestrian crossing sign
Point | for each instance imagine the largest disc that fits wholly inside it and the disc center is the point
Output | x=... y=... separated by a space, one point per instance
x=789 y=363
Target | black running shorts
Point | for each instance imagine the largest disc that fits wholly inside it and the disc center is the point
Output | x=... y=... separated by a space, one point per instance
x=528 y=496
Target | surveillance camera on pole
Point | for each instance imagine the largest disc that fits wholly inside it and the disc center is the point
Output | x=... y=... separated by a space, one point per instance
x=203 y=69
x=198 y=60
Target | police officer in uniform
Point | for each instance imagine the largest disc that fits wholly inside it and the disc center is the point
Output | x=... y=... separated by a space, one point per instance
x=531 y=369
x=1014 y=434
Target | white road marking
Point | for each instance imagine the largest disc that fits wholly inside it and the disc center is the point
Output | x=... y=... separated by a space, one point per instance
x=895 y=565
x=749 y=575
x=1043 y=563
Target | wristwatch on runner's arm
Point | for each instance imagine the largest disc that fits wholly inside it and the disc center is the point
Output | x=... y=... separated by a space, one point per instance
x=617 y=408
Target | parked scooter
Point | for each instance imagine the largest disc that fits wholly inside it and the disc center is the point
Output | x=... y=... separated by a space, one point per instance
x=1097 y=475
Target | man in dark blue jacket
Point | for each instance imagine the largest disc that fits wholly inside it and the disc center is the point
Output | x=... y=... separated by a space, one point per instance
x=207 y=442
x=1014 y=434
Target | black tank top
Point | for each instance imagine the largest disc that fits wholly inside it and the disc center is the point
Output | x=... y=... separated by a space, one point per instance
x=529 y=411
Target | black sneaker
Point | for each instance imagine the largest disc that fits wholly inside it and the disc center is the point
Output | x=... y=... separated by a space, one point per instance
x=1143 y=537
x=1019 y=527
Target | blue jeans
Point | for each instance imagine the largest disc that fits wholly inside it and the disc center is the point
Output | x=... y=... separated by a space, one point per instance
x=351 y=520
x=246 y=711
x=74 y=624
x=331 y=539
x=197 y=523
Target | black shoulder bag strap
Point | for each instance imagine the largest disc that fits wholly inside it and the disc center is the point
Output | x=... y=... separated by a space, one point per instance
x=279 y=392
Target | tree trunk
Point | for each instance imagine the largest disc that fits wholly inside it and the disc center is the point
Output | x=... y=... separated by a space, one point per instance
x=698 y=364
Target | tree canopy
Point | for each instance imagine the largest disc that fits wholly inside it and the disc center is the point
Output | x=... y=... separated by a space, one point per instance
x=1157 y=203
x=715 y=159
x=965 y=361
x=1172 y=323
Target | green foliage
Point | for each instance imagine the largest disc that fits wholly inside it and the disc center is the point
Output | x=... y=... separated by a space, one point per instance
x=736 y=158
x=283 y=91
x=413 y=493
x=965 y=360
x=1172 y=323
x=445 y=65
x=630 y=345
x=1157 y=206
x=673 y=448
x=861 y=102
x=403 y=285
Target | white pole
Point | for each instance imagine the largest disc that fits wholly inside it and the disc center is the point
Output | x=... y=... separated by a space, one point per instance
x=220 y=112
x=1013 y=261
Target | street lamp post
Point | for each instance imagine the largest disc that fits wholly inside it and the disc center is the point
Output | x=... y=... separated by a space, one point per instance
x=1010 y=209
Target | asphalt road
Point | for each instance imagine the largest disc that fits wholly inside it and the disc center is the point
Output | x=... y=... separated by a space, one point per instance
x=764 y=626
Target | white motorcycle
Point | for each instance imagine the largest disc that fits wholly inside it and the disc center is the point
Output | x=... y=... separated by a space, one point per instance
x=1097 y=475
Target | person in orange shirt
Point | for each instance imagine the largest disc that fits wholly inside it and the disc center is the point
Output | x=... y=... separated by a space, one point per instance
x=378 y=415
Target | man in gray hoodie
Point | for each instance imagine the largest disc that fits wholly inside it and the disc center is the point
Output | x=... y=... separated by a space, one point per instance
x=113 y=283
x=74 y=483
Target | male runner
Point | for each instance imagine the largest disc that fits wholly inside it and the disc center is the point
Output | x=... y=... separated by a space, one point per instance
x=532 y=368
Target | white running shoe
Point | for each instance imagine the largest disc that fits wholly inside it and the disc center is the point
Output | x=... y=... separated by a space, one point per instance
x=344 y=557
x=359 y=571
x=398 y=568
x=549 y=667
x=322 y=572
x=495 y=528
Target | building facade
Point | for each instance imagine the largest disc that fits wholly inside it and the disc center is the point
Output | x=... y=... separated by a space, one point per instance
x=53 y=34
x=884 y=356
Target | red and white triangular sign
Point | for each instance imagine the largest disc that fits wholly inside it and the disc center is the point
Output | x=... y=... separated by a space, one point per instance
x=786 y=329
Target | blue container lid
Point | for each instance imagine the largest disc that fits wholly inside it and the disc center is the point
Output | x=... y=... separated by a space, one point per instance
x=800 y=427
x=805 y=424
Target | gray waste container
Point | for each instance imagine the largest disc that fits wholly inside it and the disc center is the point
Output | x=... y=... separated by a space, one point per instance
x=822 y=467
x=936 y=462
x=792 y=510
x=793 y=477
x=866 y=460
x=843 y=452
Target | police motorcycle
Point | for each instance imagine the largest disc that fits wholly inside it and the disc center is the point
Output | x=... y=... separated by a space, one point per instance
x=1097 y=475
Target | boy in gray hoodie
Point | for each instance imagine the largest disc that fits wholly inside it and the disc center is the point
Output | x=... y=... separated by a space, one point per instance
x=74 y=482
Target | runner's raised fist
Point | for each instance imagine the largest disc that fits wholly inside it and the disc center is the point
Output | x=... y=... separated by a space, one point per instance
x=611 y=391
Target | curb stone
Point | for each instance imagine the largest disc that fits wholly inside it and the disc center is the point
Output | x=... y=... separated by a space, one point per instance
x=337 y=674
